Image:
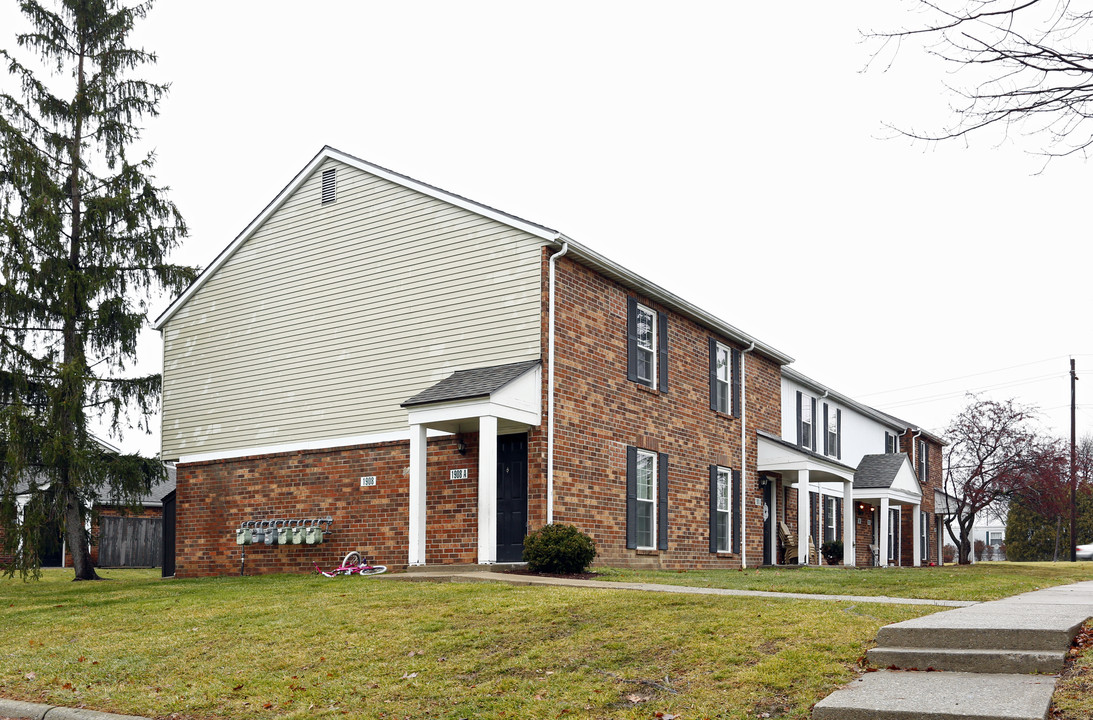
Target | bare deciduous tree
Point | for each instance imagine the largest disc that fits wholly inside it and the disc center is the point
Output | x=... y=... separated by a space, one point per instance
x=1027 y=64
x=990 y=443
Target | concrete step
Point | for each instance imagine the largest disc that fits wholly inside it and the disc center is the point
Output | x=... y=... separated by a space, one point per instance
x=975 y=661
x=960 y=630
x=895 y=695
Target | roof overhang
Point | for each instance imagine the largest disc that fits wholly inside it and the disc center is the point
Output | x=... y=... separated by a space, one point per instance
x=777 y=455
x=904 y=490
x=516 y=405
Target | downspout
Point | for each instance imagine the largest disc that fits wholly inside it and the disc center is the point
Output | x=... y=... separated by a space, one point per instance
x=550 y=389
x=914 y=464
x=744 y=457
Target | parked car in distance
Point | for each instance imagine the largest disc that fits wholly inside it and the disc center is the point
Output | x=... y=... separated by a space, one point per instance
x=1085 y=552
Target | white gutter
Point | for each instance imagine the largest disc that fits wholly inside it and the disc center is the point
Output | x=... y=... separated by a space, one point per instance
x=744 y=457
x=550 y=389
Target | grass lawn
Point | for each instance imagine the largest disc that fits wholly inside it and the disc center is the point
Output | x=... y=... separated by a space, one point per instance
x=292 y=646
x=306 y=646
x=982 y=581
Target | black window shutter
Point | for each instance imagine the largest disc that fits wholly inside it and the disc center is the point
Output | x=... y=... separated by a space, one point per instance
x=800 y=417
x=735 y=375
x=838 y=433
x=631 y=497
x=736 y=511
x=713 y=508
x=631 y=339
x=839 y=518
x=662 y=337
x=713 y=375
x=662 y=502
x=827 y=450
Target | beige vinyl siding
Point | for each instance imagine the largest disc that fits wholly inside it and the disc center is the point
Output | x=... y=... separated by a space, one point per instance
x=329 y=316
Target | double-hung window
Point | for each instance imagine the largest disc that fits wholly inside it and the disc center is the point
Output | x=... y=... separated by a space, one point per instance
x=806 y=421
x=923 y=453
x=646 y=345
x=646 y=499
x=891 y=443
x=831 y=518
x=724 y=379
x=724 y=509
x=833 y=420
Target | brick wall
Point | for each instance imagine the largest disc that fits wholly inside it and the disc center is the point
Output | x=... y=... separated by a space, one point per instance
x=214 y=497
x=599 y=413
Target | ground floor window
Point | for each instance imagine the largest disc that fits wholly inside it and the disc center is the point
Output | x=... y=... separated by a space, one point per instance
x=722 y=509
x=831 y=518
x=646 y=499
x=893 y=536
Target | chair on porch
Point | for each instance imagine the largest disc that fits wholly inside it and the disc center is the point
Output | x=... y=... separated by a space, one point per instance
x=791 y=547
x=876 y=555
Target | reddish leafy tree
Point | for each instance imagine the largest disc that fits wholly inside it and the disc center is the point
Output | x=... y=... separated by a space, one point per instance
x=990 y=444
x=1044 y=487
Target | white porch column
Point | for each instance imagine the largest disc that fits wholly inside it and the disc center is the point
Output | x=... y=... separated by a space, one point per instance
x=487 y=490
x=916 y=530
x=849 y=529
x=804 y=517
x=773 y=539
x=418 y=440
x=882 y=540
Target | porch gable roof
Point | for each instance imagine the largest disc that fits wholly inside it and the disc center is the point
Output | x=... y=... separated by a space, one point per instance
x=473 y=383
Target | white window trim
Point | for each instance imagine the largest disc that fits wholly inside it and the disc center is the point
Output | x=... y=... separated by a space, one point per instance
x=807 y=405
x=893 y=542
x=832 y=431
x=724 y=545
x=727 y=382
x=652 y=350
x=831 y=517
x=653 y=463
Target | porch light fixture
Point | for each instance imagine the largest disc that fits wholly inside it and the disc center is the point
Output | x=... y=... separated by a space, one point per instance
x=462 y=446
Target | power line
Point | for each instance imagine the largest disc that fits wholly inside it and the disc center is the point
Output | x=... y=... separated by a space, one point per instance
x=961 y=377
x=957 y=393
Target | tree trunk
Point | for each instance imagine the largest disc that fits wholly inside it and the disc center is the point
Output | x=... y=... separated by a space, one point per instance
x=76 y=540
x=1058 y=530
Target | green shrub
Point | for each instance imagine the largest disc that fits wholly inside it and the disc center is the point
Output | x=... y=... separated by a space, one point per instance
x=561 y=549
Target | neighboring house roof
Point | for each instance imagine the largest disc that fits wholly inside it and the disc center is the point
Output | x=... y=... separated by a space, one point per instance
x=881 y=417
x=576 y=250
x=879 y=471
x=473 y=383
x=153 y=498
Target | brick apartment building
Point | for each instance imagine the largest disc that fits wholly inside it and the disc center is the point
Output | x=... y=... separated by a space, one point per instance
x=437 y=377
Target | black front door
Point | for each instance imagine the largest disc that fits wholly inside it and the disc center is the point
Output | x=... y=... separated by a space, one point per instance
x=512 y=496
x=767 y=522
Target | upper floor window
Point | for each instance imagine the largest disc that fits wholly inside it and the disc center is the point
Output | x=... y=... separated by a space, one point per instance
x=724 y=379
x=923 y=460
x=833 y=422
x=646 y=345
x=806 y=421
x=891 y=443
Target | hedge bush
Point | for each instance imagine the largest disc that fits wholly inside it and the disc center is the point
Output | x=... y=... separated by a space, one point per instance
x=560 y=549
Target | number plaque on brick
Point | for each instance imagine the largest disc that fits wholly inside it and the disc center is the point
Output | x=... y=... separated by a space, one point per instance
x=369 y=481
x=458 y=474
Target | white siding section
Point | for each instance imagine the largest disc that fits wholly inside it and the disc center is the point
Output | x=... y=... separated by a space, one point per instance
x=329 y=316
x=861 y=435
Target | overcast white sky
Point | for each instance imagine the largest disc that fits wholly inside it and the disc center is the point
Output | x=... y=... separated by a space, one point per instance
x=734 y=153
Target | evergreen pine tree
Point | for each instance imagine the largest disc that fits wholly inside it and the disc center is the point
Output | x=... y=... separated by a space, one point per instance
x=86 y=233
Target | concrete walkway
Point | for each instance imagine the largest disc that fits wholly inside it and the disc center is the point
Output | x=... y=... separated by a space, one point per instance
x=441 y=575
x=991 y=658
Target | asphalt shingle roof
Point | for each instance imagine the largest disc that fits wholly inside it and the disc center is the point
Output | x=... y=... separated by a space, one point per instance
x=466 y=384
x=878 y=471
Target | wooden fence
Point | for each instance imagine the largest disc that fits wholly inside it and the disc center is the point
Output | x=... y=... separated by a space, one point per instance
x=130 y=541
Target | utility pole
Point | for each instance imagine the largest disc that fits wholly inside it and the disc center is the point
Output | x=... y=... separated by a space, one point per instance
x=1073 y=474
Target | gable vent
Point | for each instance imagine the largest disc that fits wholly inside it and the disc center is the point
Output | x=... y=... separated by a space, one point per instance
x=330 y=185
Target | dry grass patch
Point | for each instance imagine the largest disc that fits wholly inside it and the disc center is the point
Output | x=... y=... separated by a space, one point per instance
x=982 y=581
x=300 y=646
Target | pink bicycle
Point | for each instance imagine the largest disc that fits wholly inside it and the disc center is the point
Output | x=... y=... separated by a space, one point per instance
x=353 y=564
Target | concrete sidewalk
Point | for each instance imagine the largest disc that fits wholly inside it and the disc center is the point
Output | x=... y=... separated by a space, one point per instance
x=991 y=659
x=441 y=575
